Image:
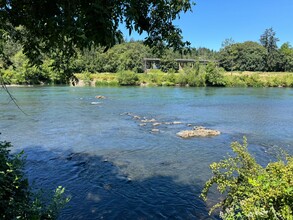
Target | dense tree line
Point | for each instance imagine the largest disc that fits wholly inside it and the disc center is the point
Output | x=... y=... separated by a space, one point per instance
x=254 y=56
x=57 y=67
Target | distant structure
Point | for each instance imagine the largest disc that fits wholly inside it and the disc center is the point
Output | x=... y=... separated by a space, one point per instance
x=155 y=63
x=151 y=63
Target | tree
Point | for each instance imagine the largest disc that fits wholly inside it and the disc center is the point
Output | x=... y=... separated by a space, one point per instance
x=65 y=24
x=247 y=56
x=126 y=56
x=251 y=191
x=269 y=42
x=227 y=42
x=286 y=51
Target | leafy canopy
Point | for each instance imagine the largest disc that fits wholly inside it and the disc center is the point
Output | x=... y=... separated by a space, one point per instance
x=63 y=24
x=17 y=201
x=251 y=191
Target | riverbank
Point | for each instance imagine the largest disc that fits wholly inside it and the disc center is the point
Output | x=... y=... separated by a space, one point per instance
x=158 y=78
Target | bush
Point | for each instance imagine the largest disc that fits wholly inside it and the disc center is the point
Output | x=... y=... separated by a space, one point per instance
x=106 y=83
x=86 y=77
x=16 y=199
x=213 y=75
x=234 y=81
x=254 y=81
x=193 y=77
x=127 y=78
x=251 y=191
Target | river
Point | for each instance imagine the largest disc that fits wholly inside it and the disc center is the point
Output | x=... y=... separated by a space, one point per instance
x=115 y=168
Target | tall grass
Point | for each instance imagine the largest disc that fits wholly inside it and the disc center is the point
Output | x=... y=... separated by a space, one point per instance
x=195 y=77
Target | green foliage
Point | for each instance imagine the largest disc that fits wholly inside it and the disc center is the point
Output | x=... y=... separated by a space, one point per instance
x=272 y=57
x=286 y=52
x=86 y=77
x=127 y=78
x=106 y=83
x=268 y=40
x=126 y=56
x=247 y=56
x=168 y=63
x=204 y=53
x=235 y=81
x=194 y=77
x=251 y=191
x=89 y=59
x=54 y=25
x=14 y=188
x=256 y=80
x=253 y=81
x=213 y=75
x=16 y=199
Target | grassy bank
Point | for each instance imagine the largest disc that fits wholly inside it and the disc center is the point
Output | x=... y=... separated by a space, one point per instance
x=194 y=78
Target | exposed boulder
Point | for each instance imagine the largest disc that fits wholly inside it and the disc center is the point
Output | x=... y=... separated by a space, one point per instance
x=136 y=117
x=198 y=132
x=100 y=97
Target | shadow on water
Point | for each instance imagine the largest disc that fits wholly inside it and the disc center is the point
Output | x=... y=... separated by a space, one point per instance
x=100 y=191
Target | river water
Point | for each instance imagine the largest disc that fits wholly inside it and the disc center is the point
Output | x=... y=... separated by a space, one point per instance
x=114 y=168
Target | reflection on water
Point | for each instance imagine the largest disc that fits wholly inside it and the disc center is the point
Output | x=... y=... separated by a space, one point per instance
x=117 y=168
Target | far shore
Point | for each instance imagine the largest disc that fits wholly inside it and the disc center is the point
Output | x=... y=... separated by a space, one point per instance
x=158 y=78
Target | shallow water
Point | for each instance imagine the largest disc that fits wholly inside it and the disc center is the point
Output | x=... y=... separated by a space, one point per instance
x=116 y=169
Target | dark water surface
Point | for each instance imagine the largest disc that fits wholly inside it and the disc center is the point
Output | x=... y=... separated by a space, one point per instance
x=116 y=169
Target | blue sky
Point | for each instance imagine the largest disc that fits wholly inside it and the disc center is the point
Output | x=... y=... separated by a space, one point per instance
x=213 y=21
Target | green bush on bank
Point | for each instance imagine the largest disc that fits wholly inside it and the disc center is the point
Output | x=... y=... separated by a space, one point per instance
x=251 y=191
x=255 y=80
x=214 y=77
x=209 y=75
x=127 y=78
x=16 y=198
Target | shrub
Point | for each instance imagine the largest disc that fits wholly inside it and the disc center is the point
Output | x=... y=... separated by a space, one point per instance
x=213 y=75
x=182 y=79
x=16 y=199
x=87 y=79
x=169 y=77
x=106 y=83
x=194 y=76
x=254 y=81
x=127 y=78
x=234 y=81
x=251 y=191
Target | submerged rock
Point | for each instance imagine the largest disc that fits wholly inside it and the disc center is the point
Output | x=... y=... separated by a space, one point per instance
x=148 y=120
x=136 y=117
x=198 y=132
x=95 y=103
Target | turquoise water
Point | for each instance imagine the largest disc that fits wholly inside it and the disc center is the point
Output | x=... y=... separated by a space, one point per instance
x=116 y=169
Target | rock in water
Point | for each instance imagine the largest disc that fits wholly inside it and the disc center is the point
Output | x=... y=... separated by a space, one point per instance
x=198 y=132
x=100 y=97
